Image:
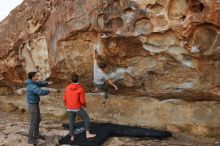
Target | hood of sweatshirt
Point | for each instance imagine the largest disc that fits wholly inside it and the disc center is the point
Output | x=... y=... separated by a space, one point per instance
x=74 y=86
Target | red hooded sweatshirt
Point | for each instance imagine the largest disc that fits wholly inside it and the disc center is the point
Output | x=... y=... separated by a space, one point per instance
x=74 y=97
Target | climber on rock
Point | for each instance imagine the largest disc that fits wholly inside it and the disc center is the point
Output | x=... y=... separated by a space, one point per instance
x=33 y=98
x=100 y=78
x=74 y=100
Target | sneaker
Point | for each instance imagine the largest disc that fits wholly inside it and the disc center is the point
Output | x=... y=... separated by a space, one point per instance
x=32 y=141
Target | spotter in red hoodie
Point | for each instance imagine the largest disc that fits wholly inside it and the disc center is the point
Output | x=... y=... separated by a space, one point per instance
x=74 y=97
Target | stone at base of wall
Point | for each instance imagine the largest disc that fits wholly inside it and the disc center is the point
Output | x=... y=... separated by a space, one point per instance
x=194 y=117
x=177 y=116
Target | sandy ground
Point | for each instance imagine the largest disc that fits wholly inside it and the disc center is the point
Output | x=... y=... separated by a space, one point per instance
x=14 y=129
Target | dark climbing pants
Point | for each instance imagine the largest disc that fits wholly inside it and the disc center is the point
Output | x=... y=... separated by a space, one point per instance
x=103 y=88
x=35 y=119
x=72 y=116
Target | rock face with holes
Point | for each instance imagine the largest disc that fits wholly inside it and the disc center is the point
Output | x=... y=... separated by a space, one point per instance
x=159 y=48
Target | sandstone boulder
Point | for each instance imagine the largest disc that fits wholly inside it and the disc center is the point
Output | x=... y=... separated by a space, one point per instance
x=164 y=49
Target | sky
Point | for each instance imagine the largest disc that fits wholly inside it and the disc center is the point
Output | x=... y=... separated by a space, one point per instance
x=6 y=6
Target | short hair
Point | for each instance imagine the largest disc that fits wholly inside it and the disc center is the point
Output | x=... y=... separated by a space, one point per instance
x=31 y=74
x=102 y=65
x=75 y=78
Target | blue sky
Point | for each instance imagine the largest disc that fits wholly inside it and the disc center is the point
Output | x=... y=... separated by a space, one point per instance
x=6 y=6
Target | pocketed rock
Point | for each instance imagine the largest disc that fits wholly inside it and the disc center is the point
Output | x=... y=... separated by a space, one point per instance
x=164 y=49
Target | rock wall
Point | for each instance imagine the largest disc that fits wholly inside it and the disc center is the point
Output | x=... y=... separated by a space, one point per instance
x=159 y=48
x=177 y=116
x=174 y=115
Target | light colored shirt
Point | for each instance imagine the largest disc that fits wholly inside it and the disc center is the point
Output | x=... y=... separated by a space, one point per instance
x=99 y=76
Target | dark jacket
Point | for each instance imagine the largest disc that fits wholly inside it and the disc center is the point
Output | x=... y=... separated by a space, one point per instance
x=34 y=91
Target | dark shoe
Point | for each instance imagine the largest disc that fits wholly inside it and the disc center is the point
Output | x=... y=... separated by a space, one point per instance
x=32 y=141
x=39 y=136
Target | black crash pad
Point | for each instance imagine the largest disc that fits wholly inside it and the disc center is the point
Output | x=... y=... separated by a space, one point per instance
x=105 y=130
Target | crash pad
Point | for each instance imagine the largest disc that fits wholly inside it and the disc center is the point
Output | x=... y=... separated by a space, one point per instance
x=105 y=130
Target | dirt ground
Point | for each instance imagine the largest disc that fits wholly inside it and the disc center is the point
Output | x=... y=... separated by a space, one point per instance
x=14 y=131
